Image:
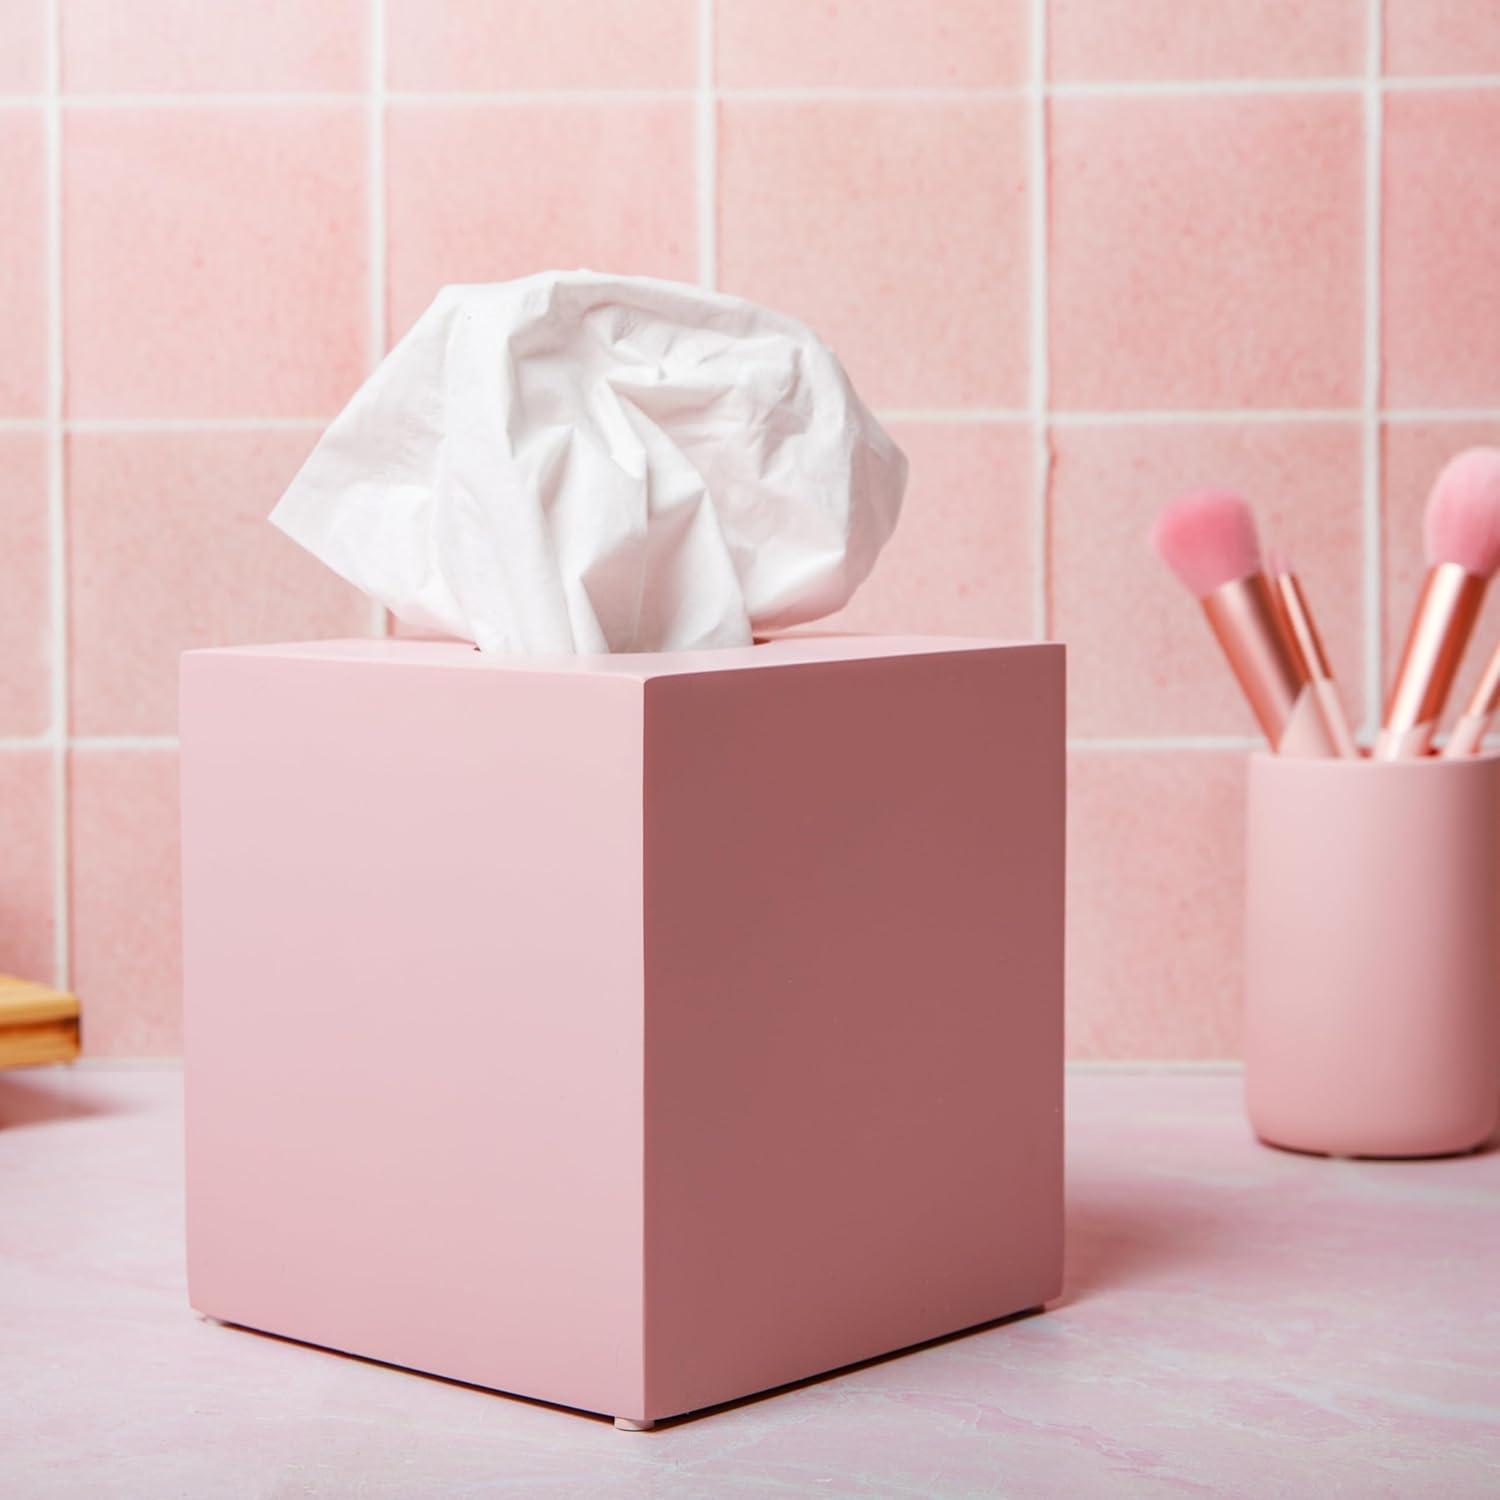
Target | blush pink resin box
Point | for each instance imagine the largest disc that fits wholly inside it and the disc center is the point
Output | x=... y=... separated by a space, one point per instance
x=634 y=1033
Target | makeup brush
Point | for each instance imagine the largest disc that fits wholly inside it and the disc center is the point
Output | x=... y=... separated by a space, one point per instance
x=1468 y=734
x=1462 y=534
x=1309 y=644
x=1208 y=540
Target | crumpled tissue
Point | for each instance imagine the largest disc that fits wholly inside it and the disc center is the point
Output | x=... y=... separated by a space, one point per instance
x=576 y=462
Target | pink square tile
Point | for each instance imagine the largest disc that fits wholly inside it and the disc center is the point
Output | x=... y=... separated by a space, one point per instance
x=26 y=864
x=877 y=44
x=1141 y=659
x=1120 y=40
x=23 y=277
x=126 y=901
x=169 y=548
x=896 y=229
x=1441 y=320
x=1442 y=36
x=25 y=636
x=1412 y=453
x=960 y=561
x=184 y=45
x=1206 y=252
x=23 y=46
x=214 y=260
x=1155 y=874
x=542 y=44
x=535 y=187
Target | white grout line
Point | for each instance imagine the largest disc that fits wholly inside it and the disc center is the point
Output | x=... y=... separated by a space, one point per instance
x=1235 y=415
x=1040 y=384
x=380 y=623
x=1092 y=89
x=1168 y=742
x=195 y=424
x=829 y=94
x=1207 y=1065
x=1242 y=416
x=1115 y=1066
x=954 y=414
x=124 y=1064
x=21 y=743
x=511 y=98
x=1438 y=81
x=123 y=742
x=212 y=100
x=1176 y=88
x=57 y=534
x=707 y=164
x=1443 y=414
x=1373 y=592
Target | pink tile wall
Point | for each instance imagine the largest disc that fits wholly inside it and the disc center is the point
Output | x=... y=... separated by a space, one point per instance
x=1080 y=254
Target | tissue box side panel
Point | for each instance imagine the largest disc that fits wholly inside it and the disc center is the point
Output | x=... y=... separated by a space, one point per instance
x=854 y=948
x=413 y=971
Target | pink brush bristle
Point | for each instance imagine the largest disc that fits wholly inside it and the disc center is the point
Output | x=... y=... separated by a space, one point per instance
x=1207 y=539
x=1462 y=524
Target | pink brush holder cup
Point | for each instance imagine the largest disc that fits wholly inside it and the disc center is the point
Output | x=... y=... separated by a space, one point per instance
x=1372 y=941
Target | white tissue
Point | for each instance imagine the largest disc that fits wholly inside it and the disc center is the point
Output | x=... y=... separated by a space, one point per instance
x=578 y=462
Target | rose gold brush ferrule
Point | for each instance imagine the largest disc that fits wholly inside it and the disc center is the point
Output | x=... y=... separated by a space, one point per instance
x=1246 y=618
x=1440 y=630
x=1468 y=734
x=1309 y=646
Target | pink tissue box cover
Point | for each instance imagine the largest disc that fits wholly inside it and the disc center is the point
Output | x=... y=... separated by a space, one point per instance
x=633 y=1033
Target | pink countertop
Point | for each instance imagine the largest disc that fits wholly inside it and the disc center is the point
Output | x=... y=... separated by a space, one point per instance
x=1236 y=1321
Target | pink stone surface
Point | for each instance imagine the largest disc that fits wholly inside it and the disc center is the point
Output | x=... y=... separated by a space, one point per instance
x=1154 y=893
x=960 y=562
x=1206 y=251
x=877 y=44
x=23 y=278
x=185 y=46
x=125 y=900
x=896 y=229
x=717 y=1146
x=1116 y=40
x=1441 y=36
x=1142 y=660
x=477 y=45
x=1441 y=330
x=26 y=878
x=613 y=190
x=169 y=550
x=213 y=260
x=25 y=628
x=1234 y=1321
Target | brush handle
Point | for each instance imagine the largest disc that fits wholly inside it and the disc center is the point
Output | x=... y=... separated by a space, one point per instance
x=1308 y=644
x=1469 y=732
x=1468 y=735
x=1306 y=731
x=1246 y=618
x=1332 y=705
x=1440 y=629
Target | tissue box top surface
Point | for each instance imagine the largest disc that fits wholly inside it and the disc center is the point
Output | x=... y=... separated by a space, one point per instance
x=780 y=651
